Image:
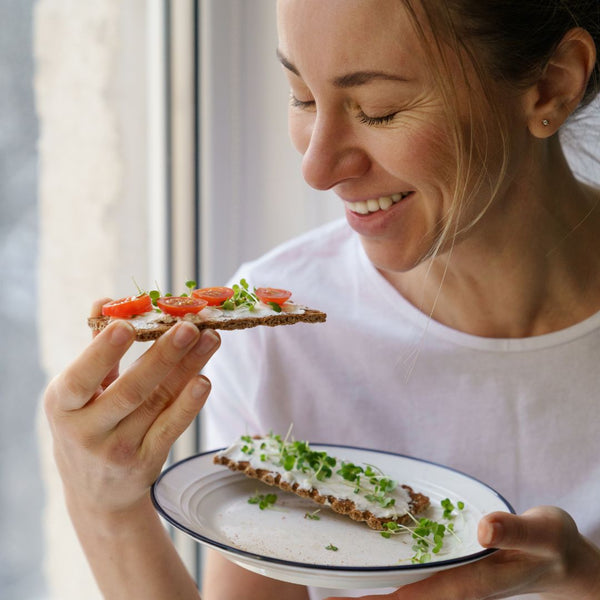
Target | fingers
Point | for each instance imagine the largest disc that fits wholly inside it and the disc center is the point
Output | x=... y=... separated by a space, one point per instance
x=542 y=530
x=137 y=423
x=147 y=379
x=75 y=387
x=173 y=421
x=96 y=310
x=497 y=576
x=541 y=550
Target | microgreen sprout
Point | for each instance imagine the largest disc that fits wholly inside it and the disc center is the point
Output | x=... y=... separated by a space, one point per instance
x=154 y=296
x=137 y=287
x=313 y=516
x=299 y=456
x=242 y=297
x=247 y=448
x=274 y=306
x=370 y=480
x=263 y=500
x=191 y=286
x=428 y=535
x=449 y=508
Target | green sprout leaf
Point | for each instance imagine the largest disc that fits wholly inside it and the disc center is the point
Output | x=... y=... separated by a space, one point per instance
x=313 y=516
x=242 y=297
x=264 y=501
x=428 y=535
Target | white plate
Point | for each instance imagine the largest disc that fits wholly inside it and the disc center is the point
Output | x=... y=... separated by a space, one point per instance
x=210 y=503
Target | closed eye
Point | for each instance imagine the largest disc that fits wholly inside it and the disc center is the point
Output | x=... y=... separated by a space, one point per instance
x=362 y=117
x=373 y=121
x=302 y=104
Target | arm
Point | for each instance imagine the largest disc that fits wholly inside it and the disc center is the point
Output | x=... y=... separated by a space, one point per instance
x=540 y=552
x=112 y=436
x=223 y=579
x=132 y=556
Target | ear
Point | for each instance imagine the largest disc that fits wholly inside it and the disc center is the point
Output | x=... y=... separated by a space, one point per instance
x=559 y=89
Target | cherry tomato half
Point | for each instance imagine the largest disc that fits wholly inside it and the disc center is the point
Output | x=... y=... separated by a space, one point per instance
x=128 y=307
x=275 y=295
x=178 y=306
x=215 y=296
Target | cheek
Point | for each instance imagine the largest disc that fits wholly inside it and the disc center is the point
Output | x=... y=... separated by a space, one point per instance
x=424 y=155
x=300 y=130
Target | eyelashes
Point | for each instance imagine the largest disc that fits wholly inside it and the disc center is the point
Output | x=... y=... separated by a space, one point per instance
x=361 y=116
x=302 y=104
x=374 y=121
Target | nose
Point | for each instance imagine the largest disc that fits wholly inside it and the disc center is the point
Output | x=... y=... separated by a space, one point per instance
x=332 y=154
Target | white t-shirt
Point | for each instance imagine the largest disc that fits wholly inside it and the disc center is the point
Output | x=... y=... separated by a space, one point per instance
x=521 y=415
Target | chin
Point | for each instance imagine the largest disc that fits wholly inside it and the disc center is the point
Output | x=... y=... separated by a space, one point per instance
x=396 y=258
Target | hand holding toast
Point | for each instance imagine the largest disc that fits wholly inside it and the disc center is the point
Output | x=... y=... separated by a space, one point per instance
x=113 y=433
x=541 y=551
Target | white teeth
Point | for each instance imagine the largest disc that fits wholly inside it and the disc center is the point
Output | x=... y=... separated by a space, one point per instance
x=373 y=205
x=364 y=207
x=385 y=202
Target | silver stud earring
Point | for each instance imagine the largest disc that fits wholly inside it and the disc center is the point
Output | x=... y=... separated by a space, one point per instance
x=545 y=122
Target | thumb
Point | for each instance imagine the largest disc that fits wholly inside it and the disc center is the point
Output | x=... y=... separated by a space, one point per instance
x=540 y=530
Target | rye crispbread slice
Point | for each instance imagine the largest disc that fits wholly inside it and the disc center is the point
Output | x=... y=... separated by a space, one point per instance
x=151 y=332
x=418 y=502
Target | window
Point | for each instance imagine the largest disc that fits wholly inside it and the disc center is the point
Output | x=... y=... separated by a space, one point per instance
x=163 y=156
x=21 y=377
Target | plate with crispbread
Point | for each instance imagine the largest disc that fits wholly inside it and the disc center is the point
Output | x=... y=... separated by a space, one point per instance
x=246 y=515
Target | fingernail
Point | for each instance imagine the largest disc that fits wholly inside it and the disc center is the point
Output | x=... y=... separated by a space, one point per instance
x=200 y=388
x=121 y=333
x=208 y=342
x=185 y=334
x=491 y=534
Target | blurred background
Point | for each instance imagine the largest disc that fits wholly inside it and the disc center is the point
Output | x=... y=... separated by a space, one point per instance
x=21 y=376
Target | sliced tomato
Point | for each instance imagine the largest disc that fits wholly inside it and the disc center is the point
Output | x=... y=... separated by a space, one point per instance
x=178 y=306
x=128 y=307
x=275 y=295
x=215 y=296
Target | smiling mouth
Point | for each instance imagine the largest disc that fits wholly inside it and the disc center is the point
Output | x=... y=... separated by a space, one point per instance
x=365 y=207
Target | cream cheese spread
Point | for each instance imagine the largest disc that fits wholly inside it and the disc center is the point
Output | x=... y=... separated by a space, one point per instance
x=370 y=490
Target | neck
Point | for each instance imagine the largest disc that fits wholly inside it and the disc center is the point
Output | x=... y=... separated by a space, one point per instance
x=530 y=266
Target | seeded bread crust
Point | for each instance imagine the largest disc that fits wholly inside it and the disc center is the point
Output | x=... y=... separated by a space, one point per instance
x=146 y=333
x=418 y=502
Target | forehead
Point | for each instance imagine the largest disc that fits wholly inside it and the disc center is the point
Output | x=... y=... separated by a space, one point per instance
x=333 y=35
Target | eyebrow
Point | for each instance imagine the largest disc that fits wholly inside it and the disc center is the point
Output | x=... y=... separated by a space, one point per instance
x=349 y=80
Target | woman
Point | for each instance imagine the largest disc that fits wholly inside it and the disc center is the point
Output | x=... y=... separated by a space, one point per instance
x=463 y=301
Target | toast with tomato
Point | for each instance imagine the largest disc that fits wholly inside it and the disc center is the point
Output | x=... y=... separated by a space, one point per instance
x=238 y=307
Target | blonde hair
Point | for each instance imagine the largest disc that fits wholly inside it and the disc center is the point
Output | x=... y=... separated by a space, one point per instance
x=505 y=41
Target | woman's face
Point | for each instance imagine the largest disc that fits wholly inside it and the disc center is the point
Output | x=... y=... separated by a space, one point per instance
x=367 y=117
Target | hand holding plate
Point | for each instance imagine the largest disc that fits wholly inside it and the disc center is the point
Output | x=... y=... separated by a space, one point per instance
x=540 y=552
